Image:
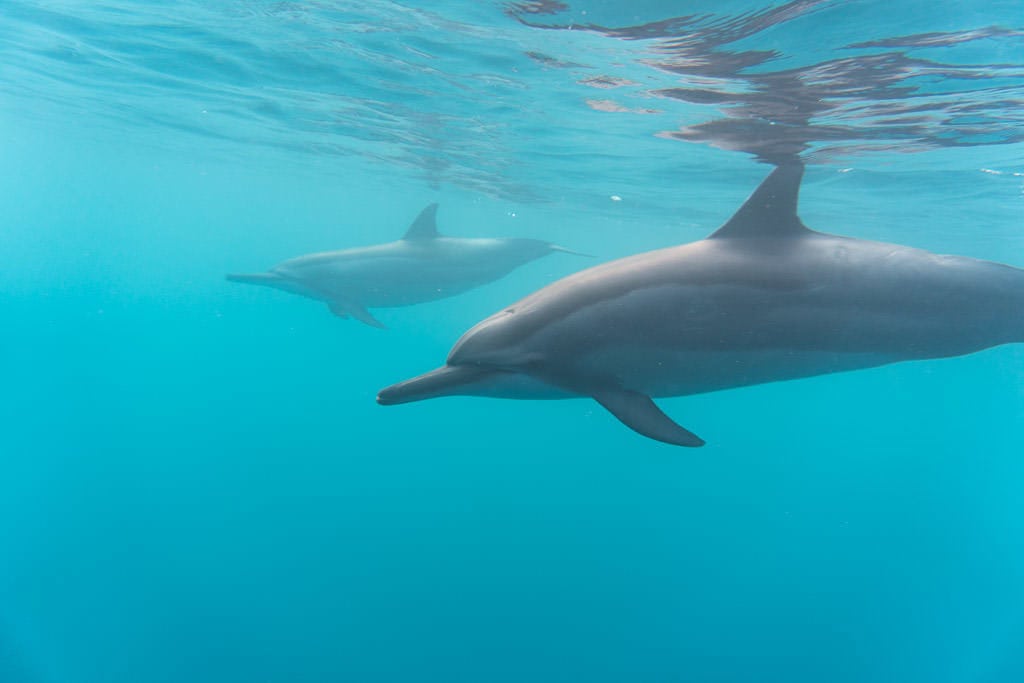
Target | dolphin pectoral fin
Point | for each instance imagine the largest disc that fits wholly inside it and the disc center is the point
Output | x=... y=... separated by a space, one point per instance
x=639 y=413
x=357 y=312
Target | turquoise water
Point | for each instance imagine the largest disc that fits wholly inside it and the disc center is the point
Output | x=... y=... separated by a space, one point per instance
x=197 y=485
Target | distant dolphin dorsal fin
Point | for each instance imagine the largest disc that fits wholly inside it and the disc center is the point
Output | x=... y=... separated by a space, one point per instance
x=771 y=210
x=425 y=225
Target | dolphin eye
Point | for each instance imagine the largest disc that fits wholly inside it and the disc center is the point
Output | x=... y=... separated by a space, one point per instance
x=510 y=310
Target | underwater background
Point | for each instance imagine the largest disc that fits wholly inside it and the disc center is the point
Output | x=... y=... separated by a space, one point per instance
x=197 y=485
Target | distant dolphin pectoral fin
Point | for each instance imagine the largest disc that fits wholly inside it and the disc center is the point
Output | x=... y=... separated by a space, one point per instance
x=564 y=250
x=639 y=413
x=364 y=316
x=449 y=380
x=346 y=310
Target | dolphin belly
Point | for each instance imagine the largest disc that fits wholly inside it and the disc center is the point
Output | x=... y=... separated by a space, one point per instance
x=680 y=339
x=665 y=372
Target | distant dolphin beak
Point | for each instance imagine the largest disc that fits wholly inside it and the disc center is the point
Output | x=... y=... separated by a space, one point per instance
x=555 y=247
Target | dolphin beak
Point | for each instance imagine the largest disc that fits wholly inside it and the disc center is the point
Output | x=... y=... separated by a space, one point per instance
x=445 y=381
x=555 y=247
x=270 y=279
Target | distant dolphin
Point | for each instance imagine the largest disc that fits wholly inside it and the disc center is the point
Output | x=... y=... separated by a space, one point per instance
x=422 y=266
x=762 y=299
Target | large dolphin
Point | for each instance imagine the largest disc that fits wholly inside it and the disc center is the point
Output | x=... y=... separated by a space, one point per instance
x=422 y=266
x=762 y=299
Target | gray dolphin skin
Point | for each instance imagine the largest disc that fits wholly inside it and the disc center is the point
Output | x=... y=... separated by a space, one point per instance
x=422 y=266
x=763 y=299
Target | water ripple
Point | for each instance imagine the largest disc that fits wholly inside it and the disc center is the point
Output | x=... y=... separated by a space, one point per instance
x=881 y=101
x=519 y=99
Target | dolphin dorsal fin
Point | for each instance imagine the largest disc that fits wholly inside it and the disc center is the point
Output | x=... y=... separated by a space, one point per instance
x=425 y=225
x=771 y=210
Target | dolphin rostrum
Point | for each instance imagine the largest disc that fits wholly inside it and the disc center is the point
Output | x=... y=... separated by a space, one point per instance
x=422 y=266
x=762 y=299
